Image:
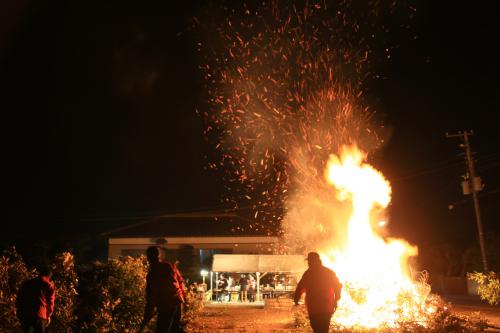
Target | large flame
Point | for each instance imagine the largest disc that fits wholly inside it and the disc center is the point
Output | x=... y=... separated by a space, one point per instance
x=378 y=288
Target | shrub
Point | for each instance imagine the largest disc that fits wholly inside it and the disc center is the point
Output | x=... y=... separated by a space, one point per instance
x=191 y=309
x=113 y=295
x=65 y=281
x=488 y=286
x=13 y=272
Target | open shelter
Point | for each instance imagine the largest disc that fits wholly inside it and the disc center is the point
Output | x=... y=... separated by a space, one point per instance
x=259 y=264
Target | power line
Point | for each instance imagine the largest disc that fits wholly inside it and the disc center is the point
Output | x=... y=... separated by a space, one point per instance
x=471 y=182
x=493 y=158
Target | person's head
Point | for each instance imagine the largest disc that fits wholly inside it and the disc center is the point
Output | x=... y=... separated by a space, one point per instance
x=45 y=271
x=153 y=254
x=313 y=259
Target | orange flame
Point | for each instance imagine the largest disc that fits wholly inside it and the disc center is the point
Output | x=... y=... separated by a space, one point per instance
x=378 y=288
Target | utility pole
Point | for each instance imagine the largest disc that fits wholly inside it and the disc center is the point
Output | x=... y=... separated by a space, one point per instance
x=473 y=184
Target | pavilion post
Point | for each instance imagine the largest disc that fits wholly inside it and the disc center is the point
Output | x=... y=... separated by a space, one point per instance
x=258 y=286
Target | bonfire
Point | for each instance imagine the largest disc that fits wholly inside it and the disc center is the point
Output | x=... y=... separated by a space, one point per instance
x=379 y=289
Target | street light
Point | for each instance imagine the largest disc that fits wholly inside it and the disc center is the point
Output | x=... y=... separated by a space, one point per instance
x=204 y=274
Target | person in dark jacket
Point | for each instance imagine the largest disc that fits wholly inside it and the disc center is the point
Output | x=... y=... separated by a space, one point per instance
x=35 y=302
x=165 y=292
x=243 y=288
x=222 y=288
x=323 y=289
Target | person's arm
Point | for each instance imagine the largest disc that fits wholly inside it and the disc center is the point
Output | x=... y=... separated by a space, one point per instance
x=337 y=287
x=180 y=279
x=300 y=289
x=148 y=311
x=50 y=297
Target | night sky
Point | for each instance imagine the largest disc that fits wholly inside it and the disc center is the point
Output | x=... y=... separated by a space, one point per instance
x=98 y=103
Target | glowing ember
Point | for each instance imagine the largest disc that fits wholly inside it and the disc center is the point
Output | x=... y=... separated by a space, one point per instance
x=286 y=87
x=379 y=290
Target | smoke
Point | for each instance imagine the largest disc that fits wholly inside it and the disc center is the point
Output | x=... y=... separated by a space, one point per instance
x=286 y=89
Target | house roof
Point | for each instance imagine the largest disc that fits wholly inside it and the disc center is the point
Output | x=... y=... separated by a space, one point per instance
x=190 y=225
x=246 y=263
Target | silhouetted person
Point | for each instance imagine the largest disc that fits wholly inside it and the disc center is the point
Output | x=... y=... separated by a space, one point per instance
x=222 y=287
x=322 y=288
x=164 y=292
x=35 y=302
x=243 y=288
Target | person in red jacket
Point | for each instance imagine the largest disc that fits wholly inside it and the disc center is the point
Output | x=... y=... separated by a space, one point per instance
x=165 y=292
x=322 y=288
x=35 y=302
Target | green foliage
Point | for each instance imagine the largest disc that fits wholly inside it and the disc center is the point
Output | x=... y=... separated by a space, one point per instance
x=13 y=272
x=65 y=281
x=113 y=295
x=488 y=286
x=191 y=309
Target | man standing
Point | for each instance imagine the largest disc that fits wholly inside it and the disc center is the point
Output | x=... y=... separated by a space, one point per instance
x=243 y=288
x=35 y=302
x=322 y=288
x=165 y=292
x=222 y=288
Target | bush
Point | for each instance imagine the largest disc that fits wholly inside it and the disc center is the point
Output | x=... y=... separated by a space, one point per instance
x=13 y=272
x=113 y=295
x=65 y=281
x=488 y=286
x=110 y=298
x=191 y=309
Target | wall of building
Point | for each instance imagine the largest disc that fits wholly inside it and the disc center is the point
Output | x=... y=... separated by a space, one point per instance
x=194 y=253
x=245 y=245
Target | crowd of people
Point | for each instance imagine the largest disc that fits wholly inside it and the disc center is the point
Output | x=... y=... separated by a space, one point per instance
x=245 y=286
x=166 y=292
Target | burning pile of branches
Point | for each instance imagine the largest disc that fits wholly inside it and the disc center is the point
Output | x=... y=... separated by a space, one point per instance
x=293 y=127
x=443 y=320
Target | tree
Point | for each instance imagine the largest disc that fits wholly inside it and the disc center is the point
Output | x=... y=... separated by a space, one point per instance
x=488 y=286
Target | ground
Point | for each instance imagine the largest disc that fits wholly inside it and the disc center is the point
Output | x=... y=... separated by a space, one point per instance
x=279 y=317
x=245 y=320
x=468 y=305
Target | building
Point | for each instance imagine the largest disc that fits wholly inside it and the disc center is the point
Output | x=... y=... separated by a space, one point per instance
x=193 y=239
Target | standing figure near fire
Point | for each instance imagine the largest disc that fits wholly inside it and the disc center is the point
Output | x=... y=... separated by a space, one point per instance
x=322 y=288
x=165 y=292
x=35 y=302
x=243 y=288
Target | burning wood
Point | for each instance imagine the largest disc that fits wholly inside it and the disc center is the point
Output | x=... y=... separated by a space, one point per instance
x=379 y=288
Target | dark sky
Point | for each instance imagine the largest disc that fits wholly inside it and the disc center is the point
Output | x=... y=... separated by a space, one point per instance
x=98 y=104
